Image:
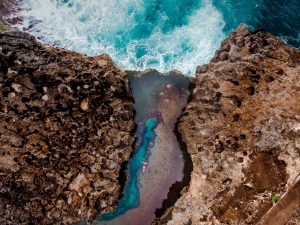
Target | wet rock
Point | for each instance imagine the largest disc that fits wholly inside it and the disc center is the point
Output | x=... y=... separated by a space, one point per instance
x=56 y=136
x=249 y=136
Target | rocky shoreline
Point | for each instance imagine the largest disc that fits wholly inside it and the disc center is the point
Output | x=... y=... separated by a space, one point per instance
x=67 y=125
x=67 y=130
x=242 y=131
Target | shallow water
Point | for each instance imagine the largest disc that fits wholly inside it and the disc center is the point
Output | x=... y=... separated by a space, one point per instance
x=160 y=34
x=131 y=195
x=159 y=100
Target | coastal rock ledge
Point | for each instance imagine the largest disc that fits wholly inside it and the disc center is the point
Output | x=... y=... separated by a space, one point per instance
x=242 y=129
x=66 y=128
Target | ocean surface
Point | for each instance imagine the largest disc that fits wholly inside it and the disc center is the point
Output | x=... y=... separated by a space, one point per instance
x=160 y=34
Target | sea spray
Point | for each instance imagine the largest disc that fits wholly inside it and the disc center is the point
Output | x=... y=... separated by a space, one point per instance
x=159 y=34
x=137 y=34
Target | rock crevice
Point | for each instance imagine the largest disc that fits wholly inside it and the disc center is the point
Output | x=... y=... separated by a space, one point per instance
x=67 y=125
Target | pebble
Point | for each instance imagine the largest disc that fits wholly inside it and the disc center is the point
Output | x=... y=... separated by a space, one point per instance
x=10 y=71
x=94 y=169
x=102 y=62
x=45 y=97
x=111 y=156
x=96 y=184
x=103 y=204
x=69 y=89
x=112 y=166
x=84 y=104
x=169 y=86
x=16 y=87
x=12 y=95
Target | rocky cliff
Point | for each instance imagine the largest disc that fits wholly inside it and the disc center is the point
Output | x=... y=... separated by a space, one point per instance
x=242 y=129
x=66 y=124
x=66 y=127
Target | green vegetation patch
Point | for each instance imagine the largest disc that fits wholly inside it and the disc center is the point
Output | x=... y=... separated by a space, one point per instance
x=274 y=198
x=2 y=27
x=132 y=72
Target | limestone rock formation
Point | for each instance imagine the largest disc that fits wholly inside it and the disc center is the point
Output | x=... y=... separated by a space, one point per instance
x=242 y=129
x=66 y=123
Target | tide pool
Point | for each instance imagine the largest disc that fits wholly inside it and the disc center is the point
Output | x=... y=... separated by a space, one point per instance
x=159 y=100
x=131 y=192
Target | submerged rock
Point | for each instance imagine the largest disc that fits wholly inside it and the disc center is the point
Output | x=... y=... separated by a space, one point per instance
x=239 y=127
x=62 y=115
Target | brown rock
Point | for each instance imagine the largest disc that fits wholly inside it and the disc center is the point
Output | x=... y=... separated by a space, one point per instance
x=241 y=128
x=56 y=135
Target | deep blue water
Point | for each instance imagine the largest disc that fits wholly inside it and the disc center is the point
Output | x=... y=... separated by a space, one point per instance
x=160 y=34
x=131 y=192
x=280 y=17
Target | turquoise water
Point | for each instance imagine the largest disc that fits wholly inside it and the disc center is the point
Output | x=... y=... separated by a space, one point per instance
x=159 y=34
x=131 y=192
x=280 y=17
x=145 y=191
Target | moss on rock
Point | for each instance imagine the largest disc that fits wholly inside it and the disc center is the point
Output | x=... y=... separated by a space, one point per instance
x=2 y=27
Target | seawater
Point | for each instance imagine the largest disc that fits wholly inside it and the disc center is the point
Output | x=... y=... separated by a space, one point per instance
x=131 y=191
x=159 y=34
x=159 y=99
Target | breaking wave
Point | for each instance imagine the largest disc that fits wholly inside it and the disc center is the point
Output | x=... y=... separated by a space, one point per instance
x=158 y=34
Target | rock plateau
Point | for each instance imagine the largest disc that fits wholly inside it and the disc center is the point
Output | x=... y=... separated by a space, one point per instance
x=242 y=130
x=66 y=128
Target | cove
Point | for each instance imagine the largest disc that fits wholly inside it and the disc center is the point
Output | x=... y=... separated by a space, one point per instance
x=159 y=100
x=131 y=190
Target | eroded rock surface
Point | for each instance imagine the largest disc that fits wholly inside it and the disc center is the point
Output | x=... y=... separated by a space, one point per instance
x=242 y=129
x=66 y=128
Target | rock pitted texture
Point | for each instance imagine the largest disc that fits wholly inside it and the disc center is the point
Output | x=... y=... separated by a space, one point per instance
x=66 y=124
x=242 y=129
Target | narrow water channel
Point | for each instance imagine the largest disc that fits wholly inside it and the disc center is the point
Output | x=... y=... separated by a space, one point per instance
x=157 y=162
x=131 y=195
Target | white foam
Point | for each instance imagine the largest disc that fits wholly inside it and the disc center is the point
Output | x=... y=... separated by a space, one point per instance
x=95 y=26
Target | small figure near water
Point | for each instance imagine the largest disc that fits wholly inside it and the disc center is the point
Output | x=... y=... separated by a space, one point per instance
x=145 y=165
